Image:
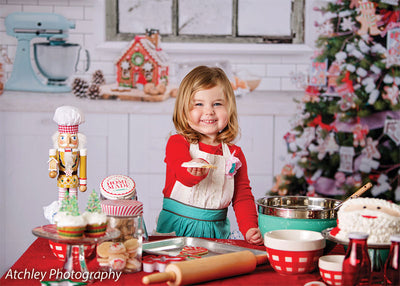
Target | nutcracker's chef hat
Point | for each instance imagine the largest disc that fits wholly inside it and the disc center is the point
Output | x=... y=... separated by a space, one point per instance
x=68 y=119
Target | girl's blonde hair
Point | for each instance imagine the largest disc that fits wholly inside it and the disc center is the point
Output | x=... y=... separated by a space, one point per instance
x=202 y=78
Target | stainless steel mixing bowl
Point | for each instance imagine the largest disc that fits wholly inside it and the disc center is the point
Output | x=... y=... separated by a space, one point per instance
x=296 y=212
x=56 y=62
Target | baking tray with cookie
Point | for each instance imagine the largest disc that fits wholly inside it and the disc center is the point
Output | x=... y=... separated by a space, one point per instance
x=175 y=246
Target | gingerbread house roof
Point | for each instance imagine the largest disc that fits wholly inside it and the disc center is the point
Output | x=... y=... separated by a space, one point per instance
x=158 y=55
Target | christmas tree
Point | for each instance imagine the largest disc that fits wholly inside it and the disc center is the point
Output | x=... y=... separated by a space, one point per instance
x=347 y=130
x=93 y=204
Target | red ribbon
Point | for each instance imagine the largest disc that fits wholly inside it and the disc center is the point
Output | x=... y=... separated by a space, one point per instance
x=318 y=122
x=348 y=82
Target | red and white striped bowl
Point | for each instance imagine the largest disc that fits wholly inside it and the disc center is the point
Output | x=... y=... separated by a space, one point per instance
x=60 y=250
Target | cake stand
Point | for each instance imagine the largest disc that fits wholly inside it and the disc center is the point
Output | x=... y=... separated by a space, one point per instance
x=73 y=263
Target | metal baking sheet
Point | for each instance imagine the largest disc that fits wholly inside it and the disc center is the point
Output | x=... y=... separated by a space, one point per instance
x=173 y=246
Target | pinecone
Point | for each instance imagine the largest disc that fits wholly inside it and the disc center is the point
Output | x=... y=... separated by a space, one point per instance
x=94 y=91
x=80 y=87
x=98 y=77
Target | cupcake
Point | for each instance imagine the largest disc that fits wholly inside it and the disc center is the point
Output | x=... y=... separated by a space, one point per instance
x=96 y=220
x=70 y=223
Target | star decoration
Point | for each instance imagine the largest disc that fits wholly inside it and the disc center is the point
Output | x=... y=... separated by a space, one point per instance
x=326 y=29
x=391 y=94
x=371 y=150
x=347 y=24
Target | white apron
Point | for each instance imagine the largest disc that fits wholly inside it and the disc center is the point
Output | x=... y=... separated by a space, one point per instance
x=213 y=192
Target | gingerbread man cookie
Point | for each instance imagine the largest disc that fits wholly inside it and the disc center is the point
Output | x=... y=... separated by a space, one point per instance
x=368 y=19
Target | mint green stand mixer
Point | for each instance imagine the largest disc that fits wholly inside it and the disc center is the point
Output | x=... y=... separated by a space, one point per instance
x=55 y=59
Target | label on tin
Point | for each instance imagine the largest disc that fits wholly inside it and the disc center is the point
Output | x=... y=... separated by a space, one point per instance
x=117 y=187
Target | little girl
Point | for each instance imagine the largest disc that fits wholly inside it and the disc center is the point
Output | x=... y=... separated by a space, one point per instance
x=214 y=171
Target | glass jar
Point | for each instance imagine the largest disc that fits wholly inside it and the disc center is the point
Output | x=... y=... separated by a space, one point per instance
x=392 y=265
x=357 y=263
x=124 y=253
x=118 y=187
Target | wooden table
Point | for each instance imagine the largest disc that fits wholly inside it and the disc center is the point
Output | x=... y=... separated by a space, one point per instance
x=39 y=260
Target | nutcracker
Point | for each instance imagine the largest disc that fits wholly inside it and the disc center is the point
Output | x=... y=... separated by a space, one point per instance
x=69 y=153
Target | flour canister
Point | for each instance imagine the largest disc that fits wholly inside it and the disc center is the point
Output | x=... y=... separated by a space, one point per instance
x=125 y=252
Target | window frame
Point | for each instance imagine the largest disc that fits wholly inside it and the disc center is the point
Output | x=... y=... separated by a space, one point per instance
x=297 y=27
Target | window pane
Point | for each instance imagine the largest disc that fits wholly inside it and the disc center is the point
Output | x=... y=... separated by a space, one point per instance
x=264 y=17
x=205 y=17
x=135 y=16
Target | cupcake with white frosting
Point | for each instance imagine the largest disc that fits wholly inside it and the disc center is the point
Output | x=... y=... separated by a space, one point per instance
x=70 y=223
x=96 y=220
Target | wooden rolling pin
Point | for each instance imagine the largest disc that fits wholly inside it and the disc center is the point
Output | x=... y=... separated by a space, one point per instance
x=207 y=268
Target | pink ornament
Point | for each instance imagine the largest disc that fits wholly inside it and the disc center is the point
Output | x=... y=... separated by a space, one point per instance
x=340 y=178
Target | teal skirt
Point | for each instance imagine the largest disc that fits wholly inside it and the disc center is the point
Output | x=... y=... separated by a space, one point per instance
x=186 y=220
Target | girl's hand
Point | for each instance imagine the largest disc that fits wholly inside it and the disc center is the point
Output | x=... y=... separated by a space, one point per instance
x=253 y=236
x=198 y=171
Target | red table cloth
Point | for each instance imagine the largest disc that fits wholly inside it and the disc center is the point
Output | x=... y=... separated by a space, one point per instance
x=39 y=260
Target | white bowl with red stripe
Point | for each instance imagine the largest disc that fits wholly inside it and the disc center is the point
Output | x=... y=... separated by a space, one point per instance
x=60 y=250
x=330 y=268
x=292 y=251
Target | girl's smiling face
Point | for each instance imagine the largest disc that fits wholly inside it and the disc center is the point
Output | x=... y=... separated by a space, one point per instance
x=208 y=113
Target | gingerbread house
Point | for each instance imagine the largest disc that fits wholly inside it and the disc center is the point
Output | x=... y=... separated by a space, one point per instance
x=143 y=62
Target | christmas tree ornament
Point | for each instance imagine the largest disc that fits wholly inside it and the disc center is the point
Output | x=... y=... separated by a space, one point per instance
x=382 y=186
x=393 y=47
x=368 y=19
x=318 y=73
x=311 y=94
x=354 y=4
x=333 y=75
x=359 y=134
x=347 y=24
x=391 y=2
x=298 y=79
x=290 y=138
x=391 y=93
x=392 y=129
x=306 y=138
x=346 y=159
x=371 y=150
x=366 y=164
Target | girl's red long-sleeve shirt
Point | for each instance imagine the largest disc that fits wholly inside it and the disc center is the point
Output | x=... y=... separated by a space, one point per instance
x=177 y=152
